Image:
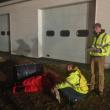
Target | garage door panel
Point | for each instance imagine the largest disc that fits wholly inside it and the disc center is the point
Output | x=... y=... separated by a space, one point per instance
x=72 y=18
x=4 y=29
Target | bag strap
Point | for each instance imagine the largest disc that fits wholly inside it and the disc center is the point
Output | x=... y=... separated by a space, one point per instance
x=70 y=84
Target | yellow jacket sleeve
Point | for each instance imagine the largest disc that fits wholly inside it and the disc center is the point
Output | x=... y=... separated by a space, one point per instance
x=73 y=80
x=106 y=47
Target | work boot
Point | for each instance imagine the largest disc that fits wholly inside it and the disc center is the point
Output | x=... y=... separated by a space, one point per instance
x=101 y=93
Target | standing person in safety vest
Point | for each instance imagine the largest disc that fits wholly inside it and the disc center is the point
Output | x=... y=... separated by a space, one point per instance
x=99 y=50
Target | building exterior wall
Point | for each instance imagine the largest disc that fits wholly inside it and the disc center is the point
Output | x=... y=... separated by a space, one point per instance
x=24 y=23
x=103 y=16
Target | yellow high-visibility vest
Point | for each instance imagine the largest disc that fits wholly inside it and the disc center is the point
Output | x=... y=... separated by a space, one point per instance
x=76 y=81
x=101 y=42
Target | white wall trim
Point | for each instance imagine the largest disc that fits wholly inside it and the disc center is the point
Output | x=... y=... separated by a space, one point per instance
x=40 y=39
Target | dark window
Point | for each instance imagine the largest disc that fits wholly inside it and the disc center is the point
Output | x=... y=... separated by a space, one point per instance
x=65 y=33
x=48 y=55
x=82 y=33
x=2 y=33
x=8 y=33
x=50 y=33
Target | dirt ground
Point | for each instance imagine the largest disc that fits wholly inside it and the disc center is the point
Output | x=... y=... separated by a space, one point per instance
x=43 y=101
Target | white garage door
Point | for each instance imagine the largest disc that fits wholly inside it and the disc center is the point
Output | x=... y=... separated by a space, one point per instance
x=4 y=33
x=59 y=32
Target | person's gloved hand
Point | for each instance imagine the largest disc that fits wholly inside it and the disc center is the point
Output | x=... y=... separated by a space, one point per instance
x=93 y=49
x=56 y=93
x=98 y=50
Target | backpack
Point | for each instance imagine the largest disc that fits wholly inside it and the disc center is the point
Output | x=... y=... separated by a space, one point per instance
x=29 y=85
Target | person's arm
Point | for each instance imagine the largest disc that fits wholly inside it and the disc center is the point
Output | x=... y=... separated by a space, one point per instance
x=92 y=48
x=106 y=47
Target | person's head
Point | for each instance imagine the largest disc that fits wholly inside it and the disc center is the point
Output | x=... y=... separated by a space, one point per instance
x=70 y=68
x=97 y=28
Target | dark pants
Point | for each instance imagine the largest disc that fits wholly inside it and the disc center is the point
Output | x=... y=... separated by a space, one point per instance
x=71 y=95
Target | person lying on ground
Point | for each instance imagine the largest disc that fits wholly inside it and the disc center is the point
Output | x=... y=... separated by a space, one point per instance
x=74 y=88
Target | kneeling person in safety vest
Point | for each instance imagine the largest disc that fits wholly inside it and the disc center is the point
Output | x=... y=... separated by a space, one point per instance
x=74 y=87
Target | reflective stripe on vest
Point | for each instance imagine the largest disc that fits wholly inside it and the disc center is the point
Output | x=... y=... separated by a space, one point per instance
x=101 y=41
